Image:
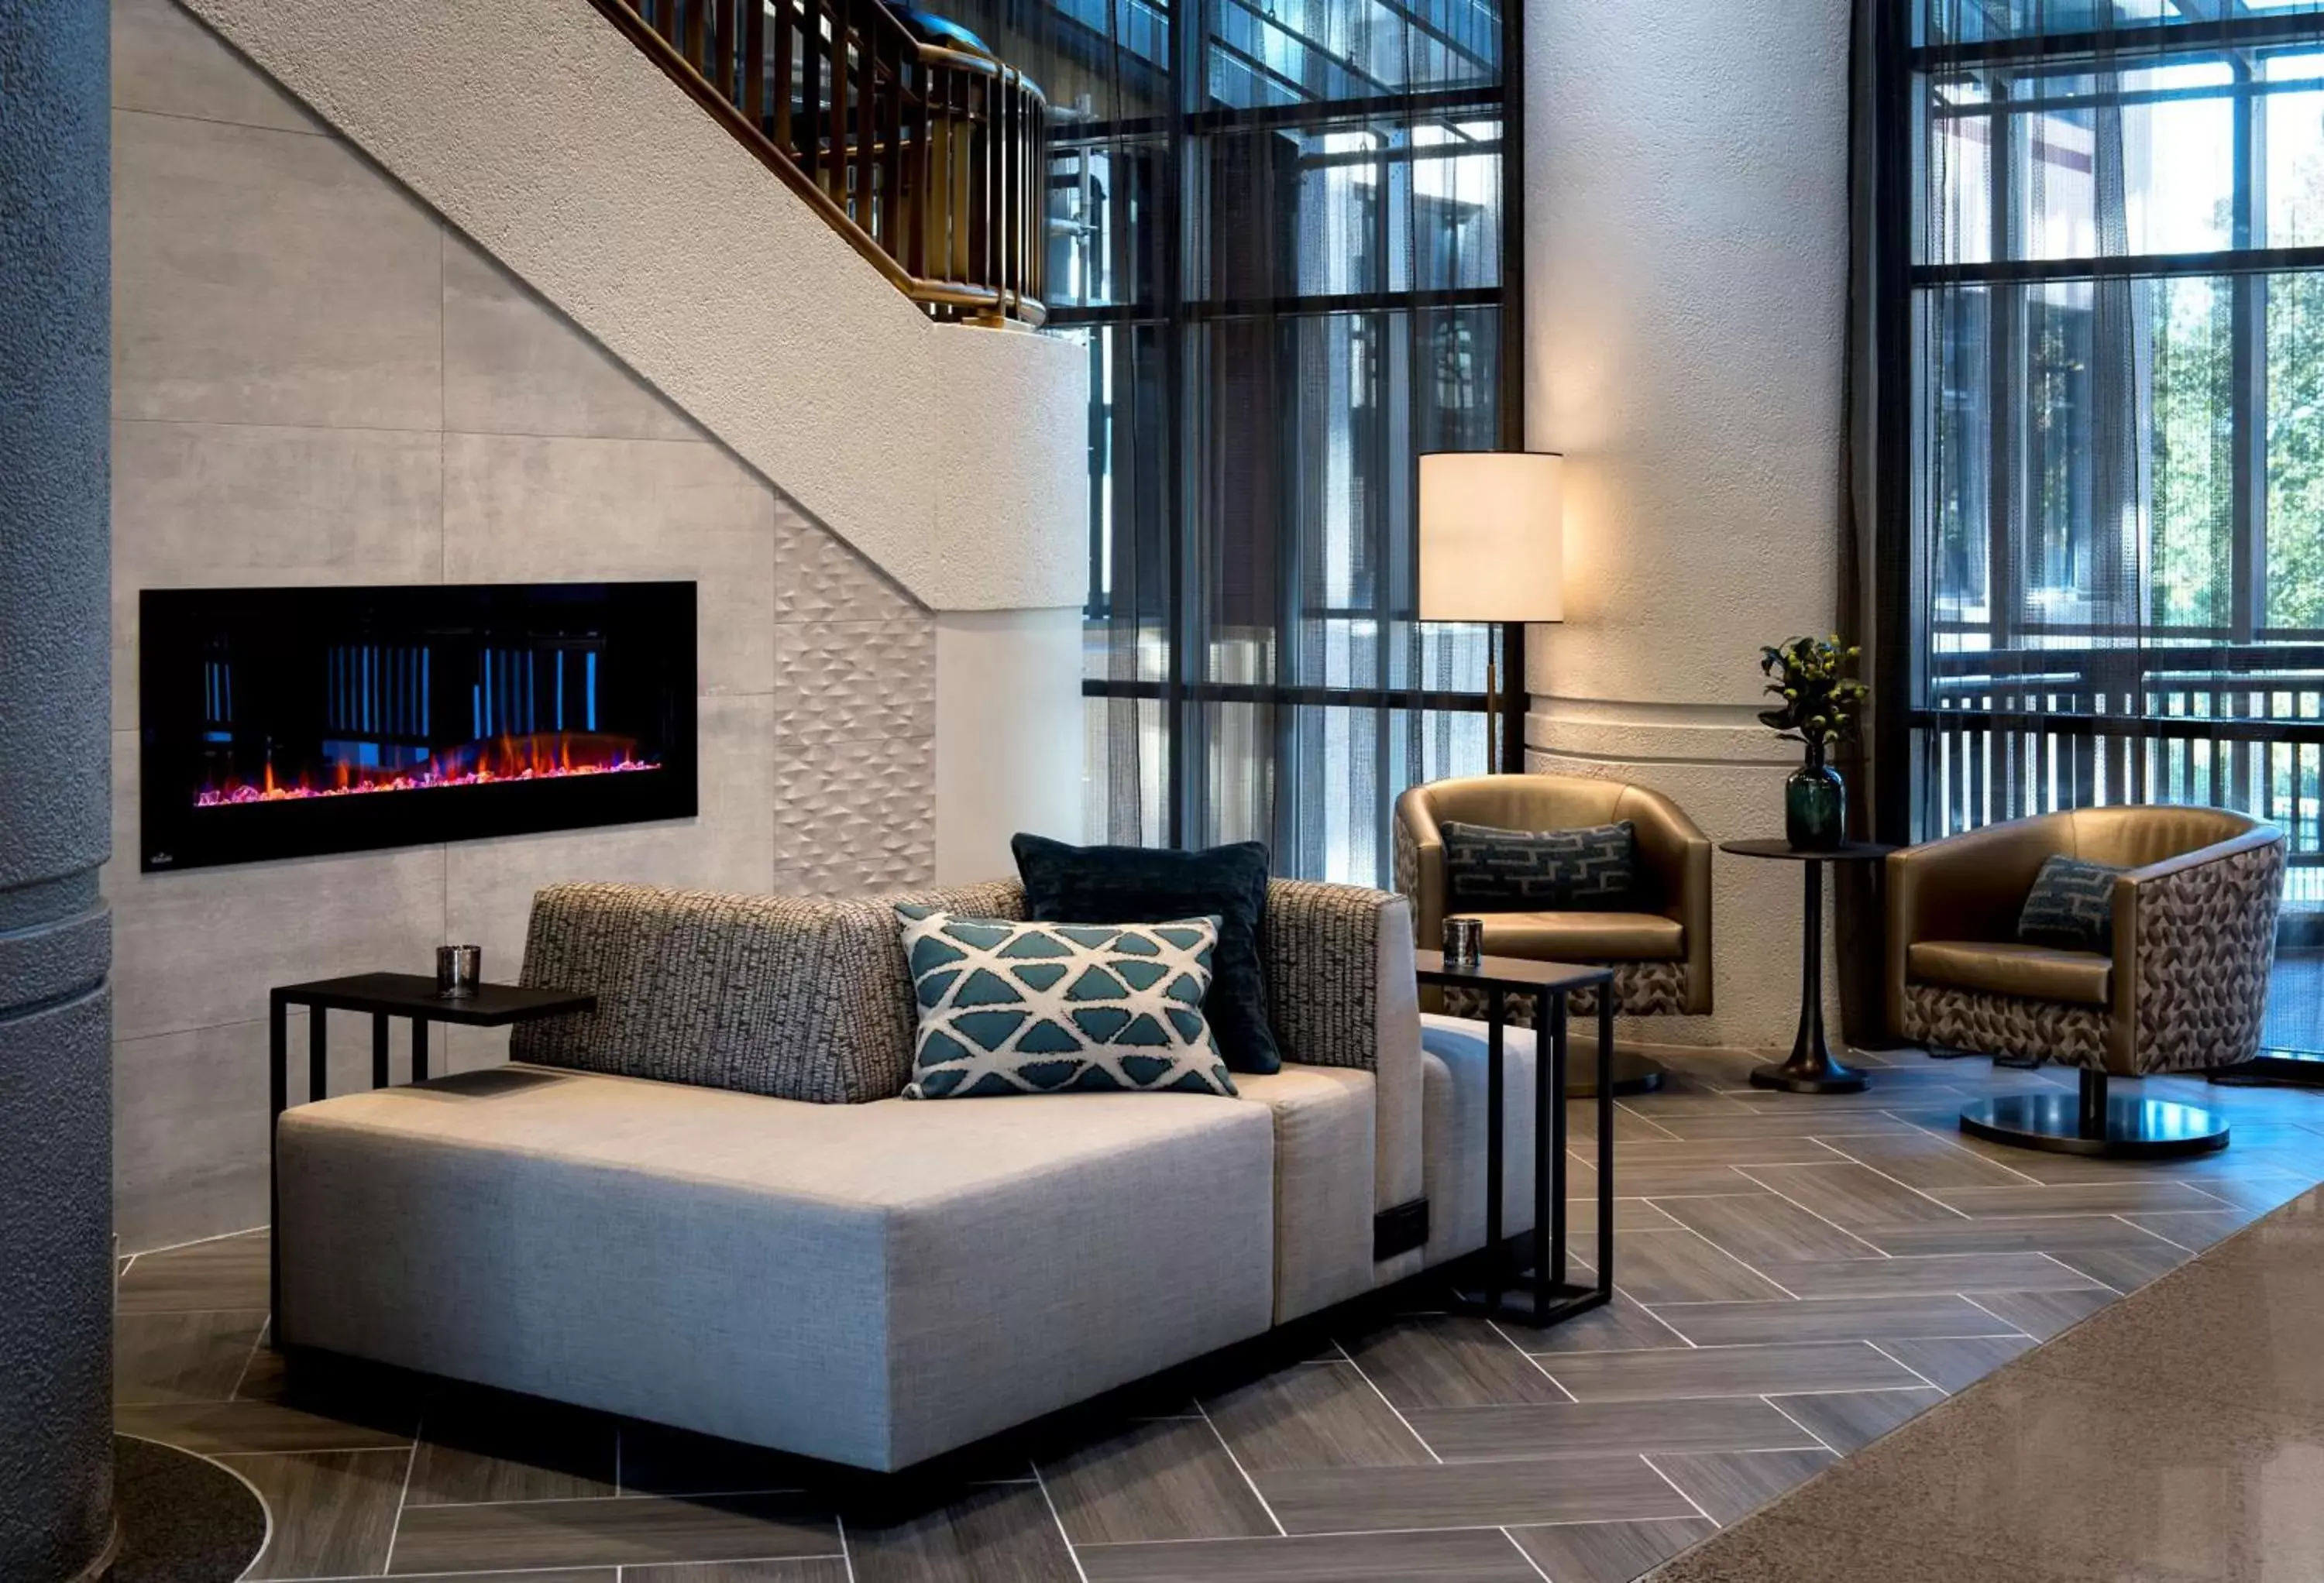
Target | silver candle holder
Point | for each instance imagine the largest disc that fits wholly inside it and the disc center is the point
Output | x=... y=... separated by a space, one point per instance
x=460 y=969
x=1464 y=942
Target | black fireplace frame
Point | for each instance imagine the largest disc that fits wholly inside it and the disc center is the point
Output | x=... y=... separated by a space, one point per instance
x=174 y=834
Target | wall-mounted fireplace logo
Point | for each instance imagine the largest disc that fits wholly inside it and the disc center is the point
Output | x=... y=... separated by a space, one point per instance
x=279 y=723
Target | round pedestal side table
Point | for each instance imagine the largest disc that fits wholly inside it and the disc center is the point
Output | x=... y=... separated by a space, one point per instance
x=1811 y=1069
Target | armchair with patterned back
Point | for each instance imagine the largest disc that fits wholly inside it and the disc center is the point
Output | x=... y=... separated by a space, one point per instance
x=2175 y=909
x=1655 y=934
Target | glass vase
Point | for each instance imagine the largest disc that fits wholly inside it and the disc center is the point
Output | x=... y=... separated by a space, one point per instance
x=1815 y=805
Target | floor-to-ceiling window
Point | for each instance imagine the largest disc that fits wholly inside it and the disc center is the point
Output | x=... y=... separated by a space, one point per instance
x=2116 y=448
x=1279 y=229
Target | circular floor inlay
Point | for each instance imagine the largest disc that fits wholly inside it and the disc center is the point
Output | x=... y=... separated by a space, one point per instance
x=183 y=1518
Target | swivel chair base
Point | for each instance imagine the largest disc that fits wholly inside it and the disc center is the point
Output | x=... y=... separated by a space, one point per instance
x=2094 y=1122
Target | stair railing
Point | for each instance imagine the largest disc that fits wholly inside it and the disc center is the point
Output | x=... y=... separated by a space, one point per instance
x=916 y=145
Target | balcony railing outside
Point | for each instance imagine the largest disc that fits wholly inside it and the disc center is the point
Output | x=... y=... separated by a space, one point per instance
x=908 y=136
x=2011 y=732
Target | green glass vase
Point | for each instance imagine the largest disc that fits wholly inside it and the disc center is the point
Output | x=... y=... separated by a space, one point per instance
x=1815 y=805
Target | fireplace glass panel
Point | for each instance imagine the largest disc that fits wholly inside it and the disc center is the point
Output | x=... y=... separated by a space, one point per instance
x=281 y=722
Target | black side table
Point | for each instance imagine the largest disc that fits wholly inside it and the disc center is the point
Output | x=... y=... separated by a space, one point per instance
x=1811 y=1069
x=1549 y=1297
x=384 y=995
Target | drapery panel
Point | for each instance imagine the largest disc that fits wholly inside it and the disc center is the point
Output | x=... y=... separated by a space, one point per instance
x=1280 y=230
x=2107 y=384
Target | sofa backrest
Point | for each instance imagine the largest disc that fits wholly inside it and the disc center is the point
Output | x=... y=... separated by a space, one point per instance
x=809 y=999
x=798 y=999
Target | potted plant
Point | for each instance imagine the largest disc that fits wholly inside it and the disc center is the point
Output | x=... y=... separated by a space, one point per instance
x=1821 y=706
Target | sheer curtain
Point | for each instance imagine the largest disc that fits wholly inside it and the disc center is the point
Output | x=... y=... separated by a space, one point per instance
x=1277 y=228
x=2111 y=419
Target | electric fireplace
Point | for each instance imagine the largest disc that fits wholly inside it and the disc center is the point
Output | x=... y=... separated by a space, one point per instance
x=278 y=722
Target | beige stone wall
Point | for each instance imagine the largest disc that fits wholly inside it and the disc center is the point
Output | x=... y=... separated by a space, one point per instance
x=319 y=380
x=1686 y=256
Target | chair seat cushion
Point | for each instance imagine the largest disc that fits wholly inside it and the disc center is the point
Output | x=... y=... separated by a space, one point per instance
x=871 y=1283
x=2032 y=972
x=1583 y=936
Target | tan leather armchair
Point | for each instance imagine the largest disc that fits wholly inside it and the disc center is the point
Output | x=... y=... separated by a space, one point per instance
x=2194 y=938
x=1660 y=953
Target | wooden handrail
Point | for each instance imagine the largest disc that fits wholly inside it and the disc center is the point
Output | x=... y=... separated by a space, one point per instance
x=929 y=158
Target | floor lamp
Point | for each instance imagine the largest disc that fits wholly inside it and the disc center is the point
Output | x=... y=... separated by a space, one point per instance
x=1492 y=550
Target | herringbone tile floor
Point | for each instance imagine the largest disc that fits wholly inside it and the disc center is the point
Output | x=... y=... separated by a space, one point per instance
x=1797 y=1274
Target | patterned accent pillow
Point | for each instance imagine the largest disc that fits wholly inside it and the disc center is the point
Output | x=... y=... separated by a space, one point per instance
x=1589 y=870
x=1044 y=1009
x=2071 y=907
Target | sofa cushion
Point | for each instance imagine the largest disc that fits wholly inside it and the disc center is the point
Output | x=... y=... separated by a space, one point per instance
x=1585 y=869
x=1148 y=885
x=2032 y=973
x=871 y=1283
x=1028 y=1008
x=1324 y=1130
x=1584 y=936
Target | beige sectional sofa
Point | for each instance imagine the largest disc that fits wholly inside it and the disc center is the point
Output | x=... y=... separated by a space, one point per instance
x=701 y=1203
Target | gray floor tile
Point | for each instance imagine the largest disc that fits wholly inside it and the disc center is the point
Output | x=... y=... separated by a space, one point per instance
x=1762 y=1147
x=1957 y=1362
x=1680 y=1266
x=184 y=1356
x=1963 y=1272
x=1315 y=1415
x=2043 y=1314
x=487 y=1446
x=1600 y=1429
x=1729 y=1485
x=230 y=1273
x=1476 y=1555
x=1829 y=1319
x=1856 y=1196
x=805 y=1569
x=2125 y=1268
x=611 y=1532
x=2129 y=1196
x=1170 y=1479
x=1607 y=1552
x=1763 y=1225
x=223 y=1428
x=2196 y=1230
x=1001 y=1533
x=1449 y=1363
x=1928 y=1163
x=1729 y=1371
x=1469 y=1494
x=1848 y=1421
x=331 y=1513
x=2009 y=1234
x=1623 y=1325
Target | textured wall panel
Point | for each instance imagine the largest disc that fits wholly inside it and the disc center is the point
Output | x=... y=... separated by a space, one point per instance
x=846 y=681
x=851 y=817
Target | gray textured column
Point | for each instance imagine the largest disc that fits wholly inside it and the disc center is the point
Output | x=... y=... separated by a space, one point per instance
x=56 y=1009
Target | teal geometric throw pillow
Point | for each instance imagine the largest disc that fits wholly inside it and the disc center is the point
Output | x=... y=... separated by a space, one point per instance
x=1051 y=1009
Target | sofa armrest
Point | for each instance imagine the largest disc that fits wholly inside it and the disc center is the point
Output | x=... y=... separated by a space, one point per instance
x=1341 y=985
x=2194 y=940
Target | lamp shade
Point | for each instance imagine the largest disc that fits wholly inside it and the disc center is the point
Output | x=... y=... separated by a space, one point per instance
x=1492 y=537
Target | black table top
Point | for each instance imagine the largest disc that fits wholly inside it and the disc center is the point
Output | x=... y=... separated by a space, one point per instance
x=1510 y=972
x=1846 y=851
x=414 y=995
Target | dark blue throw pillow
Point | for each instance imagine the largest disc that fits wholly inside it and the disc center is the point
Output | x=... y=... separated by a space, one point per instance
x=2071 y=907
x=1150 y=885
x=1588 y=870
